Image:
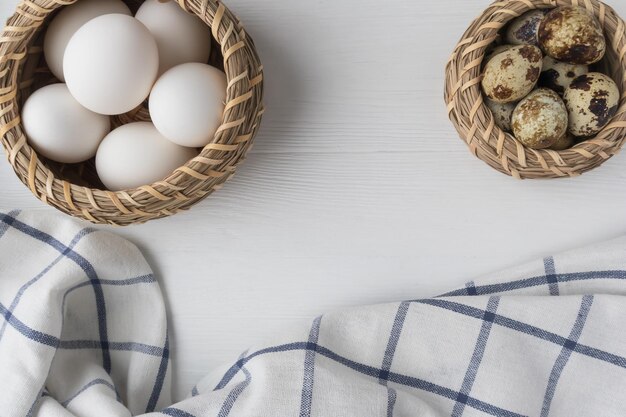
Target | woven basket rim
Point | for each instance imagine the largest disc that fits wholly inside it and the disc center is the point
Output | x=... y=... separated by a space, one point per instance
x=185 y=186
x=475 y=123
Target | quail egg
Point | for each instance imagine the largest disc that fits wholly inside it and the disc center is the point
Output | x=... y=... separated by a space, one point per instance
x=502 y=113
x=540 y=119
x=557 y=75
x=511 y=75
x=495 y=51
x=564 y=142
x=524 y=29
x=571 y=34
x=592 y=100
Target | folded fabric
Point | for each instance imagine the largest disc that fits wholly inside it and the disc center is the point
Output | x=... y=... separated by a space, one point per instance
x=84 y=334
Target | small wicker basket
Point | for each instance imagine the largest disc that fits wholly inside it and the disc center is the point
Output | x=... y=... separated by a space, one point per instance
x=475 y=123
x=76 y=189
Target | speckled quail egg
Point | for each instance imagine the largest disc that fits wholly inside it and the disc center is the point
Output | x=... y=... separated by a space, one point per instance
x=495 y=51
x=502 y=113
x=564 y=142
x=571 y=34
x=557 y=75
x=511 y=75
x=524 y=29
x=540 y=119
x=591 y=101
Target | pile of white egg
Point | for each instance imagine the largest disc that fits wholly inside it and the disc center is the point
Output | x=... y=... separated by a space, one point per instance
x=108 y=63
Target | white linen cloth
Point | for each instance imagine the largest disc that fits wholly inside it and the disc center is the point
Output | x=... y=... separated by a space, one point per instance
x=84 y=334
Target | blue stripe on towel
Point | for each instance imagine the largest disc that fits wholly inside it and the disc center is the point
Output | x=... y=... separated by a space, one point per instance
x=28 y=284
x=538 y=281
x=32 y=334
x=175 y=412
x=394 y=337
x=309 y=369
x=565 y=354
x=86 y=267
x=121 y=346
x=160 y=377
x=97 y=381
x=390 y=351
x=4 y=226
x=234 y=394
x=477 y=357
x=392 y=395
x=371 y=371
x=529 y=330
x=551 y=277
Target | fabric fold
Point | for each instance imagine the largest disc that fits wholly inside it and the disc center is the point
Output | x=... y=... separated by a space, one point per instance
x=84 y=334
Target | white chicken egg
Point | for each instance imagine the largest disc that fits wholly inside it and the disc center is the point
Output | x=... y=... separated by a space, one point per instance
x=59 y=128
x=111 y=64
x=187 y=103
x=136 y=154
x=68 y=21
x=181 y=37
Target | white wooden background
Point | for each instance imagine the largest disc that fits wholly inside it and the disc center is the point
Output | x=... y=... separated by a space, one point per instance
x=358 y=190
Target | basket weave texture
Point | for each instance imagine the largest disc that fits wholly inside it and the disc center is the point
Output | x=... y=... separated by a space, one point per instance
x=76 y=189
x=475 y=123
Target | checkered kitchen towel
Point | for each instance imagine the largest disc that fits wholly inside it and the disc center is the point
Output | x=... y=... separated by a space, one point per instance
x=84 y=334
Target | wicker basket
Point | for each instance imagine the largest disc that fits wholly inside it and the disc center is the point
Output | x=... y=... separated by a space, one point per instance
x=475 y=123
x=76 y=189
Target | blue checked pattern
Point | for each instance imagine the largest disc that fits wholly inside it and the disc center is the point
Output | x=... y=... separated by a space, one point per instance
x=543 y=340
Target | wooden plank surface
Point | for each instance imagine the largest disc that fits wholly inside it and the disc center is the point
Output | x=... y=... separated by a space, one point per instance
x=358 y=190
